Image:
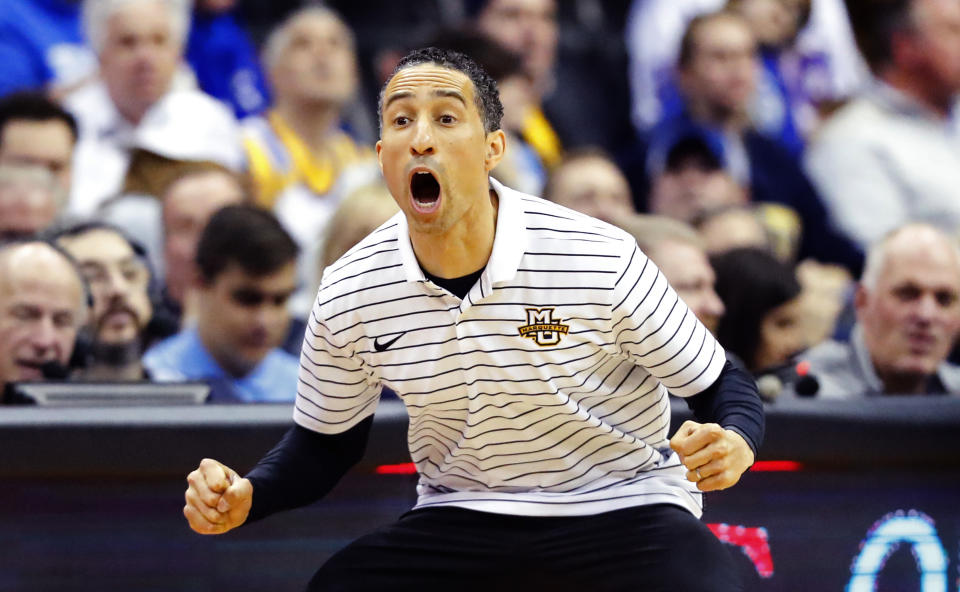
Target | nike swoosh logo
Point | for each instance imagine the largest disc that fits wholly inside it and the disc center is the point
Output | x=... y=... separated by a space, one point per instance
x=386 y=344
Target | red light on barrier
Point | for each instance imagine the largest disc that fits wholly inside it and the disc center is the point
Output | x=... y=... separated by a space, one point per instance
x=785 y=466
x=400 y=469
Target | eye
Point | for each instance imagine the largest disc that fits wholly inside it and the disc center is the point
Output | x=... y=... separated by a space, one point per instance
x=401 y=121
x=906 y=293
x=946 y=298
x=63 y=320
x=25 y=313
x=448 y=119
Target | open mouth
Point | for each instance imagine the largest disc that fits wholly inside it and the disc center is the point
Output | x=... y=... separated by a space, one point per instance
x=30 y=369
x=425 y=190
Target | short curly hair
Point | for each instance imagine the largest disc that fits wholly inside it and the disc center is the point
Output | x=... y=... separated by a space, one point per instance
x=486 y=95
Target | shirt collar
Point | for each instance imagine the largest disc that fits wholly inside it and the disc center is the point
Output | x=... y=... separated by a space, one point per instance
x=863 y=361
x=509 y=242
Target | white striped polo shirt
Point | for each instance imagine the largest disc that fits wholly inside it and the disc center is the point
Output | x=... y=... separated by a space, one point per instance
x=543 y=392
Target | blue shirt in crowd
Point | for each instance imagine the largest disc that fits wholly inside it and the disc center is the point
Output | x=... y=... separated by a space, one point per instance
x=41 y=43
x=183 y=357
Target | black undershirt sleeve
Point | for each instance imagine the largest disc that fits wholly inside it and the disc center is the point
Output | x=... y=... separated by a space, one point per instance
x=303 y=467
x=733 y=402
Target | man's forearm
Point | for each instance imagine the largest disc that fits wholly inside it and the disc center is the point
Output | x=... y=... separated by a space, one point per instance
x=303 y=467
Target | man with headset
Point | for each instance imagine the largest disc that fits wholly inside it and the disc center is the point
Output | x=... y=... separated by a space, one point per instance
x=43 y=305
x=116 y=269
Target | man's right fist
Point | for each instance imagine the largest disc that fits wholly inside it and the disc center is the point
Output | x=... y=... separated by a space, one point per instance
x=218 y=500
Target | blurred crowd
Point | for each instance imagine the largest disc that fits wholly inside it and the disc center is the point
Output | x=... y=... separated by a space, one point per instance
x=175 y=175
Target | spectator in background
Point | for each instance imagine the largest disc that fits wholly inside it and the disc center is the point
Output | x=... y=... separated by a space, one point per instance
x=116 y=270
x=765 y=226
x=821 y=66
x=169 y=225
x=677 y=249
x=521 y=167
x=247 y=264
x=42 y=46
x=588 y=181
x=908 y=318
x=42 y=308
x=763 y=320
x=891 y=156
x=30 y=201
x=301 y=160
x=136 y=105
x=188 y=203
x=359 y=214
x=36 y=131
x=224 y=58
x=530 y=29
x=717 y=75
x=692 y=182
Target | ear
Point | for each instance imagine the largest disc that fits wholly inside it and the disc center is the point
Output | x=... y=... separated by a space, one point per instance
x=496 y=144
x=860 y=297
x=379 y=155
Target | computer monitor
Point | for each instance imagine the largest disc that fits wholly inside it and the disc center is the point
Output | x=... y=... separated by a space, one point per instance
x=92 y=394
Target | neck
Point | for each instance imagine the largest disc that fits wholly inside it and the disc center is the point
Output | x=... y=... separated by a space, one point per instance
x=115 y=361
x=132 y=114
x=311 y=122
x=105 y=372
x=462 y=249
x=231 y=364
x=728 y=120
x=919 y=88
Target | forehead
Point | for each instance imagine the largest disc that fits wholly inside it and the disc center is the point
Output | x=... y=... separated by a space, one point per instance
x=421 y=80
x=682 y=260
x=924 y=264
x=723 y=31
x=202 y=194
x=591 y=171
x=24 y=132
x=98 y=245
x=538 y=6
x=146 y=15
x=234 y=277
x=319 y=24
x=29 y=272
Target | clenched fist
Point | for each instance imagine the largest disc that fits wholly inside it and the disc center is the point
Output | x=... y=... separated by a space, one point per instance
x=218 y=500
x=715 y=457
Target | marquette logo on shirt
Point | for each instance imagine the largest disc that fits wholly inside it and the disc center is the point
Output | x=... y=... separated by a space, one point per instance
x=543 y=328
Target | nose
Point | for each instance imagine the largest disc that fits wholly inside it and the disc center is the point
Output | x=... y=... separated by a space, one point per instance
x=44 y=338
x=927 y=308
x=713 y=304
x=422 y=143
x=116 y=284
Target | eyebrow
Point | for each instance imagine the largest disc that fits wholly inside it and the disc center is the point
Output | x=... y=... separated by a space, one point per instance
x=453 y=94
x=402 y=94
x=440 y=92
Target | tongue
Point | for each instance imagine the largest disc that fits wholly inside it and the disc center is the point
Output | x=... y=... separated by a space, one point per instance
x=424 y=188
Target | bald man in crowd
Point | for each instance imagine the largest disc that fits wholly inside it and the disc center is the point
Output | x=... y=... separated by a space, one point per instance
x=908 y=317
x=42 y=307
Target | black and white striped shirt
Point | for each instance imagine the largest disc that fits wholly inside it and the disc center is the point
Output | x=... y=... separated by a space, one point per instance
x=543 y=392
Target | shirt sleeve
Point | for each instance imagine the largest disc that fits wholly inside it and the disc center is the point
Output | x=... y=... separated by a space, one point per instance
x=303 y=467
x=335 y=390
x=653 y=327
x=733 y=402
